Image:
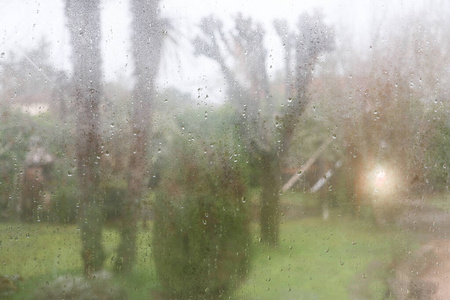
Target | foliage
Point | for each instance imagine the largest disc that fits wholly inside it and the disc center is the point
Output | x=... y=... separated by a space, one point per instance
x=64 y=203
x=115 y=192
x=438 y=154
x=16 y=131
x=14 y=139
x=266 y=130
x=201 y=234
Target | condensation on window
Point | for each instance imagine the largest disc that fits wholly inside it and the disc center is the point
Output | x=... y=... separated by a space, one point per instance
x=168 y=149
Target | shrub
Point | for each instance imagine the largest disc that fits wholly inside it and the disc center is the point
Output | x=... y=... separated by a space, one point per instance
x=64 y=203
x=115 y=193
x=201 y=235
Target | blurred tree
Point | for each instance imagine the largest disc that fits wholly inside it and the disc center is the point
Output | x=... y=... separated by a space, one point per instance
x=84 y=26
x=379 y=108
x=147 y=38
x=16 y=128
x=267 y=130
x=201 y=241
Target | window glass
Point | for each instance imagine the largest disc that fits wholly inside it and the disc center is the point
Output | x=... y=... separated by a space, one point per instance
x=167 y=149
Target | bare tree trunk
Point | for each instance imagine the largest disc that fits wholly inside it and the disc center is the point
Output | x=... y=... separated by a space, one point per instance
x=84 y=26
x=270 y=178
x=148 y=30
x=267 y=142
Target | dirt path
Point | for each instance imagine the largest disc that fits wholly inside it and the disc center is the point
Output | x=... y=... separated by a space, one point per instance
x=424 y=274
x=439 y=273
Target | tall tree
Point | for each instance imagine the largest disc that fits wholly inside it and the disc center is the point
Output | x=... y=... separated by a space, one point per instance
x=84 y=26
x=267 y=130
x=147 y=38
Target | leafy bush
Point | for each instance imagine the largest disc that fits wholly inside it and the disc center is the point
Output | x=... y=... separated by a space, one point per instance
x=201 y=235
x=438 y=157
x=64 y=204
x=114 y=199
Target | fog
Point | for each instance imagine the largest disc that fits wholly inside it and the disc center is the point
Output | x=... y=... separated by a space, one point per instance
x=219 y=149
x=357 y=23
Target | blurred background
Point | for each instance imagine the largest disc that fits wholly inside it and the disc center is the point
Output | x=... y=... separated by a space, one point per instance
x=196 y=150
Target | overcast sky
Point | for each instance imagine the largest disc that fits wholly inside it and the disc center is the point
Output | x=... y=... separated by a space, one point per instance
x=25 y=22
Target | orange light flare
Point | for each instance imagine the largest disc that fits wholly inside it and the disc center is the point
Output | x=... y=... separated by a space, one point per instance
x=383 y=181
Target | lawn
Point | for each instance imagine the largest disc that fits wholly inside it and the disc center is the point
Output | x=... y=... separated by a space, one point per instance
x=441 y=201
x=316 y=259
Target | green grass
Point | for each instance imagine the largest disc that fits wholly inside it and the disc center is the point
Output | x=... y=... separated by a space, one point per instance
x=441 y=201
x=315 y=260
x=320 y=260
x=41 y=252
